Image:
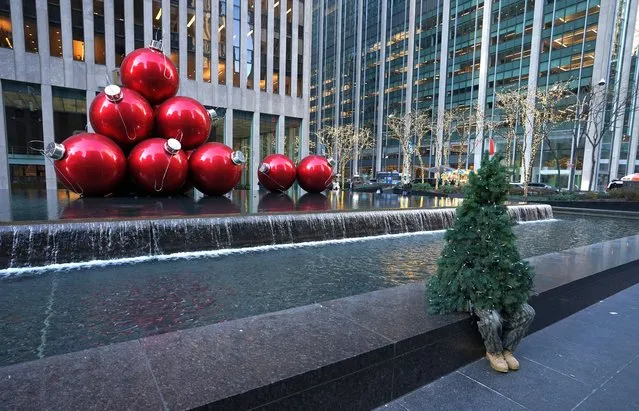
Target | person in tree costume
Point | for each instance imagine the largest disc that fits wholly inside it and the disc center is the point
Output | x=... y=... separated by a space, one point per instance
x=480 y=268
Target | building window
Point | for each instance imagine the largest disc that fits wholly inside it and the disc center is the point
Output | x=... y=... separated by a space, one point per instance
x=242 y=129
x=217 y=126
x=23 y=113
x=264 y=54
x=157 y=19
x=237 y=42
x=206 y=43
x=120 y=43
x=5 y=25
x=276 y=46
x=221 y=35
x=190 y=43
x=77 y=27
x=300 y=49
x=175 y=35
x=268 y=130
x=99 y=45
x=55 y=30
x=292 y=128
x=138 y=24
x=289 y=46
x=69 y=112
x=30 y=26
x=250 y=41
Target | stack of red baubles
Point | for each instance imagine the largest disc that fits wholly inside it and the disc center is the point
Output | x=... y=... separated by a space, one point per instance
x=148 y=140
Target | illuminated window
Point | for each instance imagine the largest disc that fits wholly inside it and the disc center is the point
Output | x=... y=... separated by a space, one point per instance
x=190 y=43
x=221 y=35
x=250 y=36
x=77 y=28
x=120 y=43
x=5 y=25
x=264 y=54
x=99 y=45
x=175 y=37
x=55 y=36
x=206 y=42
x=30 y=26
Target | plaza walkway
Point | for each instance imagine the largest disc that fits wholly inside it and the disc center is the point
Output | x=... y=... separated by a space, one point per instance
x=588 y=361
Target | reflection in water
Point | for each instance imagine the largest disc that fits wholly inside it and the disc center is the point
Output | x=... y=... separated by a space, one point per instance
x=314 y=202
x=35 y=205
x=217 y=205
x=276 y=202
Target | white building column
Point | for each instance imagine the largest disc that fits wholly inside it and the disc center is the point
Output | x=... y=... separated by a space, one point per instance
x=280 y=138
x=270 y=37
x=215 y=52
x=17 y=28
x=282 y=75
x=533 y=77
x=623 y=89
x=294 y=46
x=484 y=65
x=166 y=27
x=148 y=22
x=46 y=96
x=605 y=29
x=184 y=55
x=380 y=88
x=243 y=43
x=109 y=35
x=5 y=181
x=320 y=73
x=89 y=55
x=67 y=41
x=43 y=40
x=411 y=58
x=338 y=76
x=634 y=128
x=358 y=75
x=129 y=27
x=254 y=155
x=306 y=79
x=443 y=69
x=228 y=127
x=199 y=38
x=229 y=51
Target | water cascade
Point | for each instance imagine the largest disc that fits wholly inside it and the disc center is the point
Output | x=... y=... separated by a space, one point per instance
x=32 y=245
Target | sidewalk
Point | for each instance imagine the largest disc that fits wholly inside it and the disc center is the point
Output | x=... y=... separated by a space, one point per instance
x=588 y=361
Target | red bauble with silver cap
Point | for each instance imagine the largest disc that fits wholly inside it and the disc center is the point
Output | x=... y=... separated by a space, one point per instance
x=151 y=73
x=215 y=168
x=315 y=173
x=185 y=119
x=158 y=166
x=277 y=172
x=89 y=164
x=122 y=115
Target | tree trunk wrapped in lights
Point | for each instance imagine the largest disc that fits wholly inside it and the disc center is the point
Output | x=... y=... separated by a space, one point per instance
x=480 y=263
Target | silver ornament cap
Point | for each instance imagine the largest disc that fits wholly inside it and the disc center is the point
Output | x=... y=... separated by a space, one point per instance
x=113 y=92
x=264 y=168
x=172 y=146
x=237 y=157
x=156 y=45
x=331 y=161
x=54 y=151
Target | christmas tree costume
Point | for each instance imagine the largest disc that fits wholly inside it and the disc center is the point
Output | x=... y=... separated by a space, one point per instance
x=480 y=266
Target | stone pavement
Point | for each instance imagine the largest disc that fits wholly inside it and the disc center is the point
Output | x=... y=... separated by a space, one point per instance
x=588 y=361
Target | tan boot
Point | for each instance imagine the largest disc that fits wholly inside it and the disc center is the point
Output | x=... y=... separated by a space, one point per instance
x=497 y=362
x=512 y=362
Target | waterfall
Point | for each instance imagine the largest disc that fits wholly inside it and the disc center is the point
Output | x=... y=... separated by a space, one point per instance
x=55 y=243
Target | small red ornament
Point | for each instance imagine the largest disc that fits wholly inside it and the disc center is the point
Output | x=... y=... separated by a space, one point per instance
x=215 y=168
x=276 y=202
x=122 y=115
x=89 y=164
x=491 y=147
x=315 y=173
x=184 y=119
x=277 y=172
x=158 y=166
x=151 y=73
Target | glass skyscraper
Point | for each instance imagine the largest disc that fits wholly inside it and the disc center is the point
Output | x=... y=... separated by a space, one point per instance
x=372 y=59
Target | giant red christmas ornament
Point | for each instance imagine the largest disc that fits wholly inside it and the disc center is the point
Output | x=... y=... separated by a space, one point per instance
x=158 y=166
x=87 y=163
x=184 y=119
x=215 y=168
x=315 y=173
x=277 y=172
x=122 y=115
x=151 y=73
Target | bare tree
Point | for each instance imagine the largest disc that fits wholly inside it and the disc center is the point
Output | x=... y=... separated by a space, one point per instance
x=342 y=143
x=459 y=124
x=597 y=111
x=409 y=130
x=537 y=117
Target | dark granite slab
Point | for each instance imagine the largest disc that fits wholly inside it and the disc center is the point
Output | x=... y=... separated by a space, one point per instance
x=356 y=352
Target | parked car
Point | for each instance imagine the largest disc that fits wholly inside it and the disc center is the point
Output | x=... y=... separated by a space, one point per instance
x=615 y=183
x=542 y=188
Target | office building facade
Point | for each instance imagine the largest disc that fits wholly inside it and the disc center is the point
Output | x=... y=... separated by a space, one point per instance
x=243 y=58
x=372 y=59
